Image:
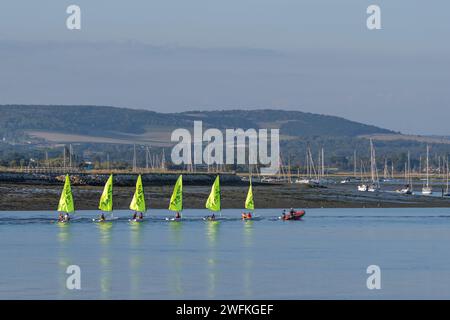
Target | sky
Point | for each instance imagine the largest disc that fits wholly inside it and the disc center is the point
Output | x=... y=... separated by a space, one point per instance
x=177 y=55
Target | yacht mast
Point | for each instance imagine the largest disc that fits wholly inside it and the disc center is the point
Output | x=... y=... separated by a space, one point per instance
x=409 y=171
x=134 y=159
x=447 y=176
x=428 y=151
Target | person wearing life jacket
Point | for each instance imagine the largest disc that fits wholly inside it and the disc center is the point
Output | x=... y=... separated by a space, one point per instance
x=291 y=213
x=177 y=215
x=283 y=215
x=102 y=217
x=141 y=216
x=134 y=216
x=60 y=217
x=210 y=218
x=66 y=217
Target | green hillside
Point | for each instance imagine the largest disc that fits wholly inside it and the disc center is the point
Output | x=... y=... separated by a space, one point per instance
x=104 y=121
x=35 y=132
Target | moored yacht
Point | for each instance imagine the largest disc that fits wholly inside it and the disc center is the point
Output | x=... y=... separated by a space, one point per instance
x=375 y=185
x=427 y=190
x=363 y=187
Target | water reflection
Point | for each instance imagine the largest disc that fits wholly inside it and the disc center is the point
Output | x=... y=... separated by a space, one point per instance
x=64 y=236
x=248 y=233
x=248 y=261
x=176 y=232
x=176 y=261
x=105 y=258
x=64 y=233
x=105 y=232
x=212 y=231
x=135 y=258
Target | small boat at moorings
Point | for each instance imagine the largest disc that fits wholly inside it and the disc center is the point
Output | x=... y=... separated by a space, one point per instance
x=408 y=187
x=106 y=202
x=363 y=187
x=375 y=185
x=176 y=201
x=292 y=215
x=427 y=190
x=406 y=190
x=65 y=204
x=249 y=203
x=213 y=202
x=138 y=202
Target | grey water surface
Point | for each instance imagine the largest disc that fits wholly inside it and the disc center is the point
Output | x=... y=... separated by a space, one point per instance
x=324 y=256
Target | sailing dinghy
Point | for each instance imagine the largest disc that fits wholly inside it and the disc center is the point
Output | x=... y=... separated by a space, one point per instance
x=106 y=202
x=213 y=202
x=66 y=204
x=249 y=204
x=176 y=201
x=138 y=202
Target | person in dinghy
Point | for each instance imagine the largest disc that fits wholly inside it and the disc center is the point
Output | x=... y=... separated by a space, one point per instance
x=210 y=218
x=137 y=216
x=247 y=216
x=292 y=215
x=63 y=217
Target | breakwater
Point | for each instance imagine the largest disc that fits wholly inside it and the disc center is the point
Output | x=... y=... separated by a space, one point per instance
x=120 y=179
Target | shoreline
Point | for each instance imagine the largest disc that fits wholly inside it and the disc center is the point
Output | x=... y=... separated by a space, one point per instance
x=23 y=197
x=120 y=179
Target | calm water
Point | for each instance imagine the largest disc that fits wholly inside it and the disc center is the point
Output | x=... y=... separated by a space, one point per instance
x=323 y=256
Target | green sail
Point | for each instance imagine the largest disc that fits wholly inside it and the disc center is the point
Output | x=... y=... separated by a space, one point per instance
x=249 y=204
x=138 y=202
x=213 y=202
x=106 y=200
x=176 y=201
x=66 y=200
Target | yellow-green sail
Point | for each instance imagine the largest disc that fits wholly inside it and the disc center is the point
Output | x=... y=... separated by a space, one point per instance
x=66 y=200
x=176 y=201
x=138 y=202
x=106 y=200
x=213 y=202
x=249 y=204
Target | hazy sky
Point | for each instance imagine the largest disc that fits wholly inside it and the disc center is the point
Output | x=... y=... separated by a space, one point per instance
x=177 y=55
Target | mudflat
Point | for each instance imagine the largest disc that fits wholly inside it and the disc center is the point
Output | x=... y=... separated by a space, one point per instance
x=16 y=196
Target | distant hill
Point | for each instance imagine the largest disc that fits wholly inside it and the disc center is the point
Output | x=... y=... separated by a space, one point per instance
x=95 y=120
x=100 y=132
x=111 y=122
x=292 y=123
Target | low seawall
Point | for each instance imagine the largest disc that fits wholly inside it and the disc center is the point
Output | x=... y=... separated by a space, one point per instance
x=120 y=179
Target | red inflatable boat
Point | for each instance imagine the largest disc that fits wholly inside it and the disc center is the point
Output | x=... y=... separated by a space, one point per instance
x=297 y=215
